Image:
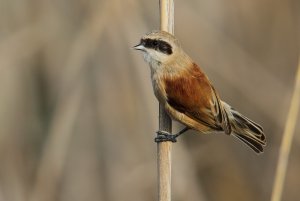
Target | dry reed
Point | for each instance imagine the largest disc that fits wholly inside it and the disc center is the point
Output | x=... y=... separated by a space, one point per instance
x=164 y=149
x=287 y=140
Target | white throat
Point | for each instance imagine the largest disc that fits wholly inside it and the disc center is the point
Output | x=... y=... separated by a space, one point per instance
x=154 y=65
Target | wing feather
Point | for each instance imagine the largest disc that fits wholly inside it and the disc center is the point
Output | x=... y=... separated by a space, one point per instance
x=192 y=94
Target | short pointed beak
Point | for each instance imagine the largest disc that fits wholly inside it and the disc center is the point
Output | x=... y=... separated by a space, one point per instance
x=139 y=47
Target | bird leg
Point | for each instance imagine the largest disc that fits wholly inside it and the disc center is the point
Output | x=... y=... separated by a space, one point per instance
x=163 y=136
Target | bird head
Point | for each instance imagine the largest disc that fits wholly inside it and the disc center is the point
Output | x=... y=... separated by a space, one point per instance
x=158 y=46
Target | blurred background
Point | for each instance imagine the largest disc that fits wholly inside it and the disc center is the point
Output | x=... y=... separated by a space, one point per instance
x=78 y=115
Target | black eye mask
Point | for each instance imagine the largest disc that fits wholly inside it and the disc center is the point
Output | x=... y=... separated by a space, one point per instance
x=157 y=45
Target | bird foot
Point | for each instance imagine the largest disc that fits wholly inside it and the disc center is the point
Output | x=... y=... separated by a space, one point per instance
x=164 y=136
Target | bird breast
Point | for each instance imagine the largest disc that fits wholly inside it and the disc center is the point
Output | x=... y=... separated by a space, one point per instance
x=159 y=88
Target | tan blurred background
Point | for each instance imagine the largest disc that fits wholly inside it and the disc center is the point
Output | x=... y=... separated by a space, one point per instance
x=78 y=116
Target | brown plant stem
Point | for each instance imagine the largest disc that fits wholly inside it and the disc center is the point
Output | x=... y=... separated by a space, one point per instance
x=287 y=140
x=164 y=149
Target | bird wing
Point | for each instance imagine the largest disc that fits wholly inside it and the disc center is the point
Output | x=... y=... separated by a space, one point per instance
x=219 y=112
x=192 y=94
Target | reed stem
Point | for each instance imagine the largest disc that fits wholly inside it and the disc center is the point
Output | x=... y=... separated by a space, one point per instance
x=164 y=149
x=287 y=141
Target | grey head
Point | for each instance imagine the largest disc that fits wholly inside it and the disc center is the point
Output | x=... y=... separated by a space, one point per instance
x=158 y=46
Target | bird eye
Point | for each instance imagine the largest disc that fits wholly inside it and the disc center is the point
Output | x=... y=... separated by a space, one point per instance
x=155 y=43
x=165 y=47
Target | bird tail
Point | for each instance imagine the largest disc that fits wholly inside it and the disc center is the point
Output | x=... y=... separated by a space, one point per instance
x=246 y=130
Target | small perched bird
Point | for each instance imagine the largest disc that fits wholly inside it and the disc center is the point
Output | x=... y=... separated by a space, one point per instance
x=188 y=96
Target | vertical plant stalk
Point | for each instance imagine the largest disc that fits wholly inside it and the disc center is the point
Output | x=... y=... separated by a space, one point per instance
x=164 y=149
x=287 y=140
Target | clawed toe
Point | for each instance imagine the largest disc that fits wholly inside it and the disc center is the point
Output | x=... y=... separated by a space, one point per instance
x=164 y=136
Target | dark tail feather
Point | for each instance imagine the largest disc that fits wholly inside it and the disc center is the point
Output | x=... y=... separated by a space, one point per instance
x=248 y=131
x=253 y=144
